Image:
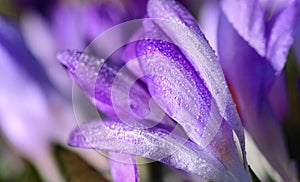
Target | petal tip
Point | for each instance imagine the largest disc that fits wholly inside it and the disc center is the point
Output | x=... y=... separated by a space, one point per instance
x=77 y=139
x=69 y=58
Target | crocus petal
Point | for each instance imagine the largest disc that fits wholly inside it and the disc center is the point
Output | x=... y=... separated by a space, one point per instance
x=175 y=21
x=157 y=144
x=275 y=152
x=237 y=57
x=259 y=164
x=136 y=8
x=281 y=36
x=12 y=40
x=123 y=168
x=247 y=17
x=268 y=26
x=36 y=30
x=274 y=7
x=111 y=87
x=130 y=54
x=279 y=97
x=99 y=17
x=209 y=20
x=27 y=129
x=184 y=94
x=236 y=66
x=65 y=23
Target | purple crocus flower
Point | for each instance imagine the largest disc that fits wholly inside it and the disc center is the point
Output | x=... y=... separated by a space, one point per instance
x=258 y=35
x=182 y=75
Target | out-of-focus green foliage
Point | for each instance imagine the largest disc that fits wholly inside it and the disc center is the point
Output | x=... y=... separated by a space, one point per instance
x=13 y=168
x=7 y=8
x=291 y=126
x=74 y=168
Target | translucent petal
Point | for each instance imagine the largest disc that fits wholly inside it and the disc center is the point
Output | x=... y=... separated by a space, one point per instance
x=268 y=26
x=247 y=73
x=248 y=18
x=281 y=36
x=157 y=144
x=123 y=168
x=178 y=89
x=112 y=87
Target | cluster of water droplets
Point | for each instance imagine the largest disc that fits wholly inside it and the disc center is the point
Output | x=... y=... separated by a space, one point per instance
x=154 y=143
x=174 y=79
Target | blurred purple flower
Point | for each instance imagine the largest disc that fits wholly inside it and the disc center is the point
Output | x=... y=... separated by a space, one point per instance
x=254 y=38
x=26 y=113
x=184 y=78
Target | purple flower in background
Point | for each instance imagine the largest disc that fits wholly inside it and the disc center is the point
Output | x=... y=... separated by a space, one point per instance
x=254 y=38
x=184 y=79
x=68 y=25
x=26 y=113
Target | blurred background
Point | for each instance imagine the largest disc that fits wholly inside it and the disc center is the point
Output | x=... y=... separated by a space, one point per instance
x=36 y=111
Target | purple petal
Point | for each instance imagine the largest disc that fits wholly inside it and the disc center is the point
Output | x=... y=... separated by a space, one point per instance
x=129 y=53
x=247 y=17
x=35 y=30
x=209 y=15
x=179 y=89
x=161 y=145
x=247 y=74
x=112 y=87
x=20 y=123
x=270 y=140
x=279 y=97
x=123 y=168
x=28 y=129
x=99 y=17
x=13 y=42
x=267 y=26
x=86 y=78
x=66 y=27
x=236 y=58
x=136 y=8
x=178 y=25
x=281 y=36
x=274 y=7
